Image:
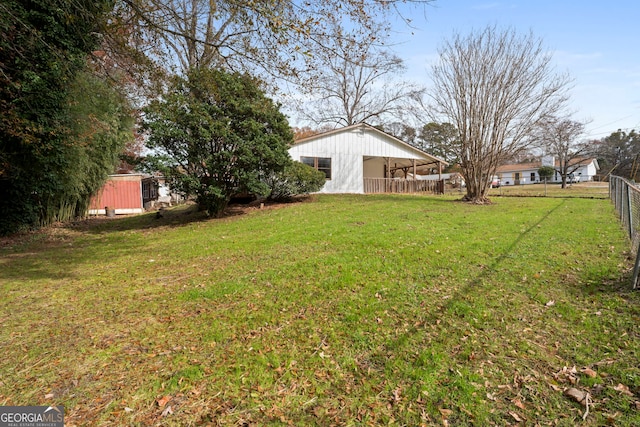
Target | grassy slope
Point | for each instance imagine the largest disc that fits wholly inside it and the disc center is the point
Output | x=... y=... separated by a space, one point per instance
x=352 y=310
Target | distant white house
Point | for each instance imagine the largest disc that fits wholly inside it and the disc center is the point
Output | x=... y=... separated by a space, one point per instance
x=527 y=173
x=363 y=159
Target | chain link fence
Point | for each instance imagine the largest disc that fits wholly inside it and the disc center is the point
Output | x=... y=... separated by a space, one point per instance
x=626 y=198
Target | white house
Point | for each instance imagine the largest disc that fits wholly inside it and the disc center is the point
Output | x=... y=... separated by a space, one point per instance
x=363 y=159
x=527 y=173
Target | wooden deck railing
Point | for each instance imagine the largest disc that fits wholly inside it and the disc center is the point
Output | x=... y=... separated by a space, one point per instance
x=386 y=185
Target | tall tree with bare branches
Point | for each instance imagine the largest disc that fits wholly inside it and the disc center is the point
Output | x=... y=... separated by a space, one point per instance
x=560 y=138
x=496 y=87
x=354 y=79
x=263 y=37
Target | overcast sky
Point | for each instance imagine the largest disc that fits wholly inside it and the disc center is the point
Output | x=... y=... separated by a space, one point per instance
x=597 y=42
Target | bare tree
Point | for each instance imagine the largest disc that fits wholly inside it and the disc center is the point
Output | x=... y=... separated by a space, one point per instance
x=495 y=87
x=266 y=37
x=560 y=138
x=354 y=79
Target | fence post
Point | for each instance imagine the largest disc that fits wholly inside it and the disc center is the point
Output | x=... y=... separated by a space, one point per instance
x=617 y=188
x=629 y=212
x=620 y=203
x=636 y=270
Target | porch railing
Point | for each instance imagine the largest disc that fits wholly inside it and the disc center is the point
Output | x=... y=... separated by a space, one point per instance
x=388 y=185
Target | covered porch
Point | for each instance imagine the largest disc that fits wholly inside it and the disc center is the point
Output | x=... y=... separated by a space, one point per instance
x=397 y=175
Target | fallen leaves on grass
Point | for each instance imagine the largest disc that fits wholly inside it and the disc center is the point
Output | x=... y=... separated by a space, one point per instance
x=555 y=387
x=623 y=389
x=163 y=401
x=518 y=403
x=515 y=416
x=445 y=413
x=396 y=395
x=578 y=395
x=567 y=374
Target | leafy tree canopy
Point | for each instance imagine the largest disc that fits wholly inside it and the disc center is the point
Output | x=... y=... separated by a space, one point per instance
x=618 y=154
x=216 y=134
x=441 y=140
x=59 y=126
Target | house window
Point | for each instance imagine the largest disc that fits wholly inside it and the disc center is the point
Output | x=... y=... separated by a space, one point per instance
x=323 y=164
x=533 y=177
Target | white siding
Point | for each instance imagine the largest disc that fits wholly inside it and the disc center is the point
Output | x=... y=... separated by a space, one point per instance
x=346 y=170
x=584 y=173
x=348 y=150
x=506 y=178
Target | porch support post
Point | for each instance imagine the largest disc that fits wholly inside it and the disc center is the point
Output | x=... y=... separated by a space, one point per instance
x=414 y=170
x=388 y=180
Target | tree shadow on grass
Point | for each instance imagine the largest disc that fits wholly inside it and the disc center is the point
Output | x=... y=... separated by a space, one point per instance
x=43 y=254
x=583 y=284
x=460 y=308
x=175 y=217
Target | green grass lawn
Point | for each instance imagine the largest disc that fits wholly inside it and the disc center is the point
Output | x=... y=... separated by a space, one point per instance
x=342 y=310
x=582 y=189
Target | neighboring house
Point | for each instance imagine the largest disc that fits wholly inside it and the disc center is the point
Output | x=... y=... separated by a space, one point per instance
x=527 y=173
x=363 y=159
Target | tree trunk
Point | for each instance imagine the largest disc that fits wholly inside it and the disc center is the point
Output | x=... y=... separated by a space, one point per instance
x=477 y=193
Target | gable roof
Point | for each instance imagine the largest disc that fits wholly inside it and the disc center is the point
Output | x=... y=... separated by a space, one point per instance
x=582 y=161
x=368 y=128
x=518 y=167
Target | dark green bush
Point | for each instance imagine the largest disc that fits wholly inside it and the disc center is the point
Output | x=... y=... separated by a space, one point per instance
x=297 y=178
x=216 y=135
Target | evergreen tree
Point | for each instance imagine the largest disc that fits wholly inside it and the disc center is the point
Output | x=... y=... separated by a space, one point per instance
x=44 y=45
x=217 y=135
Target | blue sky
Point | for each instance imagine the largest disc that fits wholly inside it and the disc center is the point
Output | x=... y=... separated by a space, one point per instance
x=595 y=41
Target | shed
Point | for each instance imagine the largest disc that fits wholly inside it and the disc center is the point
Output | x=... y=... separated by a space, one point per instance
x=363 y=159
x=122 y=194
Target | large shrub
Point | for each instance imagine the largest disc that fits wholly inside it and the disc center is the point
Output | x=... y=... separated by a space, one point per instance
x=297 y=178
x=216 y=135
